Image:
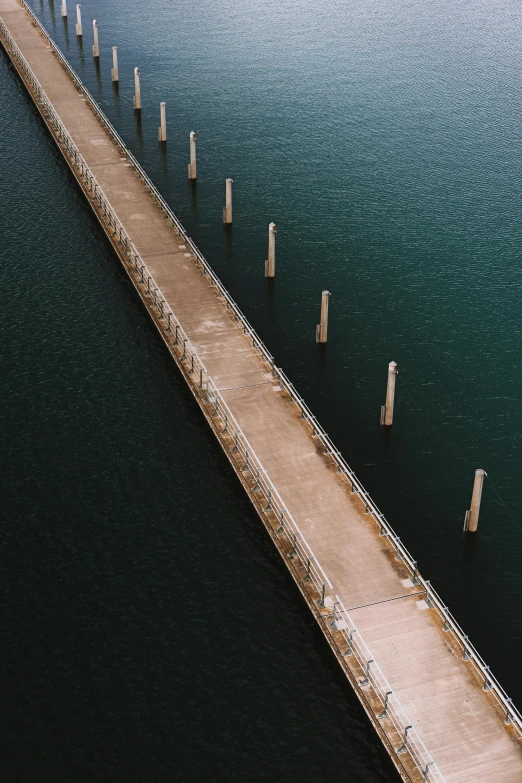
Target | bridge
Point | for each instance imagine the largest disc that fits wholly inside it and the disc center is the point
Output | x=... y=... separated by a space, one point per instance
x=436 y=706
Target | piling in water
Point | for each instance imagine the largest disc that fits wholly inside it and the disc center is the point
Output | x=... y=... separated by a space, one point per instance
x=471 y=518
x=192 y=164
x=321 y=332
x=137 y=90
x=95 y=46
x=114 y=70
x=79 y=31
x=64 y=9
x=387 y=410
x=162 y=130
x=227 y=210
x=270 y=262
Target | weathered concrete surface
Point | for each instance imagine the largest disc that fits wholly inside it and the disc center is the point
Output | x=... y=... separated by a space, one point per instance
x=455 y=718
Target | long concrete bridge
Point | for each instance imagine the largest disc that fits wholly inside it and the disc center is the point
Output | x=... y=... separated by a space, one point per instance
x=439 y=711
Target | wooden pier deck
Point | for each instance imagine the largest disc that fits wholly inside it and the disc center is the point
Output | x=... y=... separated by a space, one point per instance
x=459 y=733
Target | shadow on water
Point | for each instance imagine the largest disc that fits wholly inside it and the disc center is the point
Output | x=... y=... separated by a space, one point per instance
x=386 y=438
x=97 y=69
x=65 y=32
x=228 y=244
x=192 y=185
x=138 y=126
x=116 y=96
x=468 y=547
x=164 y=161
x=79 y=40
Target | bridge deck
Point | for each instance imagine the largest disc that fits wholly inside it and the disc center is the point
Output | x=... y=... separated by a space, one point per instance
x=457 y=721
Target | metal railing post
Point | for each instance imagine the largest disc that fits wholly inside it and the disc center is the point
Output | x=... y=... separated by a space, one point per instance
x=364 y=683
x=320 y=602
x=384 y=713
x=269 y=506
x=334 y=614
x=405 y=740
x=294 y=547
x=349 y=651
x=466 y=655
x=308 y=562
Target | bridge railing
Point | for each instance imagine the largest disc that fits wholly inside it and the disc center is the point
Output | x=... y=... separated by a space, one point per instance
x=391 y=709
x=287 y=526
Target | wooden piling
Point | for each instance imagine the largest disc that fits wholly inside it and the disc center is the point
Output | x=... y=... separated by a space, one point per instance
x=162 y=130
x=387 y=410
x=321 y=332
x=79 y=31
x=471 y=518
x=114 y=70
x=227 y=210
x=64 y=9
x=270 y=262
x=192 y=164
x=137 y=90
x=95 y=46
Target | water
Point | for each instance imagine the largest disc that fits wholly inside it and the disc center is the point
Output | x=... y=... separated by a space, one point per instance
x=382 y=139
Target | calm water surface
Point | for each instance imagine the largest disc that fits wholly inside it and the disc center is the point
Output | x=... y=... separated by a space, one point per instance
x=383 y=140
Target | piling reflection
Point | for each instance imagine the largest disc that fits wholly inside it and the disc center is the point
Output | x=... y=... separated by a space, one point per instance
x=193 y=192
x=139 y=130
x=163 y=160
x=65 y=32
x=53 y=15
x=98 y=73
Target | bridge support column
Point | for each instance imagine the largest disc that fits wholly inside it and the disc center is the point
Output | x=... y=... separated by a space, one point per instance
x=270 y=262
x=321 y=332
x=192 y=164
x=114 y=70
x=472 y=516
x=227 y=211
x=162 y=130
x=137 y=90
x=95 y=47
x=79 y=31
x=387 y=410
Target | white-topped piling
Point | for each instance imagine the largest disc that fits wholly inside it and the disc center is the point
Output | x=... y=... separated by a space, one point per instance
x=192 y=164
x=79 y=31
x=321 y=332
x=114 y=70
x=270 y=262
x=227 y=210
x=95 y=46
x=162 y=130
x=387 y=410
x=137 y=90
x=64 y=9
x=471 y=518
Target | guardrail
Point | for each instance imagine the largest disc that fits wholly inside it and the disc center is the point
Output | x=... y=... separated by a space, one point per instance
x=392 y=710
x=210 y=396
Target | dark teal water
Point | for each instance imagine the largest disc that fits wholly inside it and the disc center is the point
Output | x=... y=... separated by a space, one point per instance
x=383 y=139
